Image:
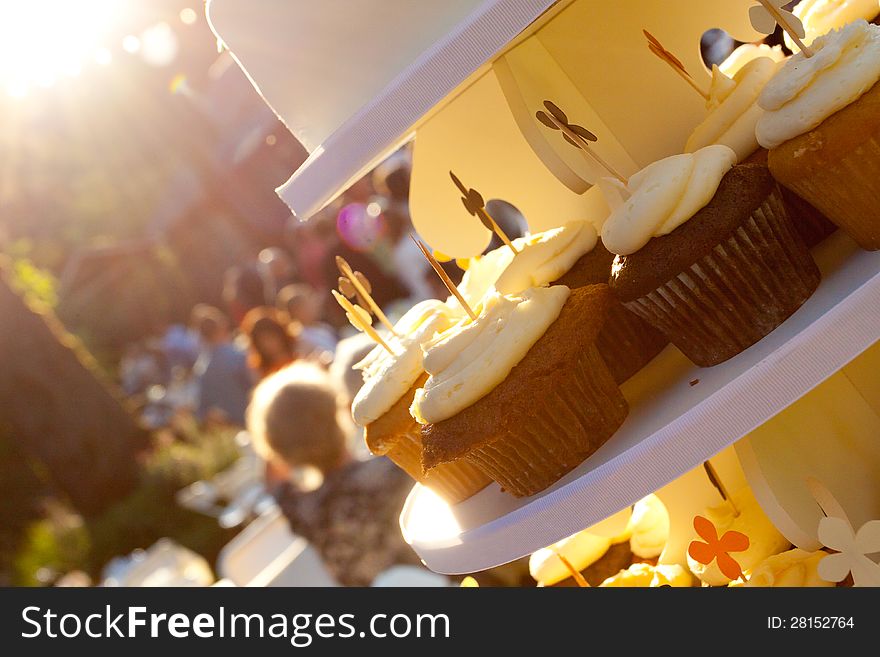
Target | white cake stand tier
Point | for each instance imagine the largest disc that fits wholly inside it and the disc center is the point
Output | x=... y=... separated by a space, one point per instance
x=680 y=415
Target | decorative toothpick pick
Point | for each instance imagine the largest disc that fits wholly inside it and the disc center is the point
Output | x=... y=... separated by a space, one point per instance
x=771 y=12
x=360 y=319
x=715 y=480
x=355 y=279
x=444 y=277
x=657 y=48
x=574 y=134
x=837 y=532
x=574 y=572
x=473 y=203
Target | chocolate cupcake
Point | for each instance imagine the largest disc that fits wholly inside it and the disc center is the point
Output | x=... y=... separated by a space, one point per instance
x=707 y=254
x=522 y=392
x=382 y=404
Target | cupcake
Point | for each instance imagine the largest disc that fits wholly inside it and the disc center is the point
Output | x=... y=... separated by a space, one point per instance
x=733 y=113
x=381 y=406
x=746 y=518
x=522 y=392
x=598 y=558
x=645 y=575
x=706 y=252
x=821 y=124
x=595 y=557
x=792 y=568
x=570 y=255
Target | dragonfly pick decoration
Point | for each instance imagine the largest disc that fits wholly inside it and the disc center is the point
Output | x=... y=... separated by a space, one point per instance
x=576 y=135
x=474 y=204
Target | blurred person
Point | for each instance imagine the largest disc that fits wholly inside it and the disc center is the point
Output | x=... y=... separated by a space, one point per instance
x=181 y=346
x=243 y=290
x=349 y=352
x=295 y=420
x=277 y=268
x=410 y=265
x=222 y=374
x=271 y=345
x=303 y=306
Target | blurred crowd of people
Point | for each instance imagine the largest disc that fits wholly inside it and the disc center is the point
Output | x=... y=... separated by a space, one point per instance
x=277 y=359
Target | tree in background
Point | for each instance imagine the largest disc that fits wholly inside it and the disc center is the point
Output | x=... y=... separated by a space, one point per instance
x=58 y=410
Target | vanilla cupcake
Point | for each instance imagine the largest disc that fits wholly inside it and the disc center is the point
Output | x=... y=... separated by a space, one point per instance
x=521 y=392
x=821 y=124
x=571 y=255
x=733 y=114
x=581 y=550
x=381 y=406
x=747 y=518
x=706 y=252
x=792 y=568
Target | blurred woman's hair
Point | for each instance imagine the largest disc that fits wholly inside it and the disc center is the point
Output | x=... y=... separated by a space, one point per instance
x=294 y=417
x=262 y=326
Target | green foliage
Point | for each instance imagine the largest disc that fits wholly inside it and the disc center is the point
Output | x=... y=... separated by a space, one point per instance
x=38 y=286
x=63 y=541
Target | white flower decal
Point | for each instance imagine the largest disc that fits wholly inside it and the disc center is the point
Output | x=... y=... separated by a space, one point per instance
x=764 y=21
x=852 y=550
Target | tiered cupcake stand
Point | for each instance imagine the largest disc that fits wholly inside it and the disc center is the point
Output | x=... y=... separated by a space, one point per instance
x=465 y=80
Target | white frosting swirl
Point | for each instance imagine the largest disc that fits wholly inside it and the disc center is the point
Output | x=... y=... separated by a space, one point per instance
x=646 y=575
x=733 y=109
x=746 y=53
x=821 y=16
x=807 y=90
x=543 y=257
x=387 y=377
x=581 y=550
x=468 y=361
x=794 y=567
x=662 y=196
x=649 y=525
x=764 y=539
x=481 y=274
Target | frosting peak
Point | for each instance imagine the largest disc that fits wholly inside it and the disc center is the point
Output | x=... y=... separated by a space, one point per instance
x=662 y=196
x=807 y=90
x=387 y=377
x=733 y=109
x=821 y=16
x=469 y=360
x=543 y=257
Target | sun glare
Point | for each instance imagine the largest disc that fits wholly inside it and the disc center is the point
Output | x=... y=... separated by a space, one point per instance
x=42 y=41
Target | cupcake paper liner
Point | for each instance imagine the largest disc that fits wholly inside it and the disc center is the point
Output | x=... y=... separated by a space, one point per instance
x=454 y=481
x=565 y=426
x=846 y=190
x=734 y=296
x=627 y=342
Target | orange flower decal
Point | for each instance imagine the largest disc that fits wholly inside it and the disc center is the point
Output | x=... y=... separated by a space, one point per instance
x=718 y=548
